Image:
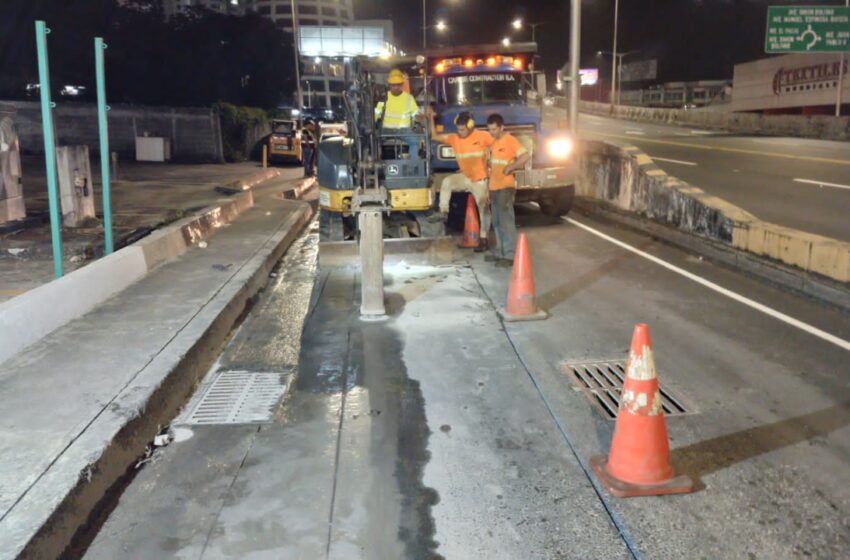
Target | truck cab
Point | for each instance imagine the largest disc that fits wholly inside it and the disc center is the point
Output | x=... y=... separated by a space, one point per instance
x=285 y=141
x=487 y=79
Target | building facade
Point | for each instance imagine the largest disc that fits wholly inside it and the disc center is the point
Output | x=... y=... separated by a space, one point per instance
x=233 y=7
x=804 y=84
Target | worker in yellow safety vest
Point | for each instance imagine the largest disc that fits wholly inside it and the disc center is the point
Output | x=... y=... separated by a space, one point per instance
x=397 y=114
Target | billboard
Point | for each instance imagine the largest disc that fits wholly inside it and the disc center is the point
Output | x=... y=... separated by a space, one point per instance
x=639 y=71
x=331 y=41
x=589 y=76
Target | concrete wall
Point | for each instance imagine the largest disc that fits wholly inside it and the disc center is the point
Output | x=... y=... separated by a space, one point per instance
x=819 y=126
x=629 y=180
x=195 y=133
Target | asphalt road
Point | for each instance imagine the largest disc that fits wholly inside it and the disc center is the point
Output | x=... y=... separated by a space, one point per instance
x=799 y=183
x=443 y=433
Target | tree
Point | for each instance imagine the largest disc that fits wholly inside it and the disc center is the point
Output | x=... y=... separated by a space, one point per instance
x=195 y=59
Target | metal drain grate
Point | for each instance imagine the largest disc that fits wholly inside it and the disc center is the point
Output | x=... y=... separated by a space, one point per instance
x=602 y=383
x=239 y=397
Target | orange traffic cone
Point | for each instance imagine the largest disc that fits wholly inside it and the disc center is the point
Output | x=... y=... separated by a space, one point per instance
x=522 y=304
x=639 y=461
x=471 y=228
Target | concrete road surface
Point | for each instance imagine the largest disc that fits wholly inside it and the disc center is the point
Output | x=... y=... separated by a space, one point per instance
x=443 y=433
x=794 y=182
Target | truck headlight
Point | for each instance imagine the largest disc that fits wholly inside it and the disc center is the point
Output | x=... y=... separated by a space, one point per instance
x=446 y=152
x=559 y=148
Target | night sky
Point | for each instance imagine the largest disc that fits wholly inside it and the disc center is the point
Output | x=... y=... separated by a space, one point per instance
x=692 y=39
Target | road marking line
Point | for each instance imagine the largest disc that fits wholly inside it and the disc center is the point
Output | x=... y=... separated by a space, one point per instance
x=840 y=342
x=822 y=184
x=703 y=132
x=673 y=161
x=731 y=150
x=636 y=132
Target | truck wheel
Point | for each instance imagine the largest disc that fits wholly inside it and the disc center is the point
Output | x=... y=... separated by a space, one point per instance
x=558 y=203
x=331 y=227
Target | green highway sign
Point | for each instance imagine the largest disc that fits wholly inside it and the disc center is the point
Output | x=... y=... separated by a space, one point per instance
x=807 y=29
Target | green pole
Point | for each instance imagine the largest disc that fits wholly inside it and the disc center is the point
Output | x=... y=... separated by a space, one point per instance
x=102 y=108
x=41 y=32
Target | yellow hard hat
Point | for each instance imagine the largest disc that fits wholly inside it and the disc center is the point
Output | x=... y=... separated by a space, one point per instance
x=396 y=77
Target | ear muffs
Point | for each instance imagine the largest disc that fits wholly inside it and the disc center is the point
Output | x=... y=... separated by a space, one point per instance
x=470 y=122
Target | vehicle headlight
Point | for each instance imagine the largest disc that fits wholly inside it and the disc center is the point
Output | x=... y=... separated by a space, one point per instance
x=559 y=148
x=447 y=152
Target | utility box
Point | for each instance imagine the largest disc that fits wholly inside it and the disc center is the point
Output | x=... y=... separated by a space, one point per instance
x=76 y=192
x=151 y=148
x=11 y=188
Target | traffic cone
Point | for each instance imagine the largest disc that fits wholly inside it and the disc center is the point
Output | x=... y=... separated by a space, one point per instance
x=639 y=461
x=471 y=228
x=522 y=304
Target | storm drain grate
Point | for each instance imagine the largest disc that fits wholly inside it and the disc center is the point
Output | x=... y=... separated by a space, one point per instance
x=239 y=397
x=602 y=383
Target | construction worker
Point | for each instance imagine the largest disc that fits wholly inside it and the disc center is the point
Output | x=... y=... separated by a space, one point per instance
x=470 y=149
x=309 y=147
x=398 y=113
x=507 y=155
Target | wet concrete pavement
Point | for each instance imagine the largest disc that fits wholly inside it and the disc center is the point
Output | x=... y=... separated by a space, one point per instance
x=442 y=433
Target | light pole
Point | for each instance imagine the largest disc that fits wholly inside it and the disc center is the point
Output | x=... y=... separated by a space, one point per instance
x=424 y=26
x=299 y=102
x=614 y=54
x=841 y=77
x=616 y=74
x=575 y=57
x=517 y=25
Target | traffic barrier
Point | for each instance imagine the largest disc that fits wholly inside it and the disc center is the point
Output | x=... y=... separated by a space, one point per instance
x=639 y=461
x=522 y=300
x=471 y=227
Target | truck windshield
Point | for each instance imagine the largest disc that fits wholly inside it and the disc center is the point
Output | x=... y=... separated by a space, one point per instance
x=475 y=89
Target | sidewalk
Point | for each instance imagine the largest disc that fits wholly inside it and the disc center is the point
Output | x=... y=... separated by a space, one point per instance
x=79 y=407
x=144 y=197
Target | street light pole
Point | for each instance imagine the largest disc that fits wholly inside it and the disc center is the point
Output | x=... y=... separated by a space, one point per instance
x=299 y=102
x=614 y=57
x=575 y=57
x=424 y=26
x=841 y=76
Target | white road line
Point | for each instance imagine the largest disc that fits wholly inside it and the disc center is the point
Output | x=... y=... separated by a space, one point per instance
x=636 y=132
x=840 y=342
x=673 y=161
x=703 y=132
x=822 y=184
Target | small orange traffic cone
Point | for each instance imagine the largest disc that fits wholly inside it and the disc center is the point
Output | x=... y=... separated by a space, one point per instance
x=639 y=461
x=522 y=304
x=471 y=228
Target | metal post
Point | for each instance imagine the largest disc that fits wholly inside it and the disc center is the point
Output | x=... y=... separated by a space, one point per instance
x=614 y=55
x=372 y=262
x=575 y=58
x=841 y=77
x=299 y=102
x=424 y=27
x=41 y=32
x=102 y=108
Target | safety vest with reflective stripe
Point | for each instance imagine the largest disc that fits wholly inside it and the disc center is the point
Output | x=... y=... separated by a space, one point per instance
x=399 y=112
x=471 y=153
x=505 y=150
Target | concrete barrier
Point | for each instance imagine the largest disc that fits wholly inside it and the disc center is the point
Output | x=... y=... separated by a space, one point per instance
x=822 y=127
x=627 y=179
x=33 y=315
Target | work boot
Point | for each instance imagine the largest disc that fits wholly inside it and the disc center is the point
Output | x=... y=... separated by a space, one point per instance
x=504 y=263
x=482 y=246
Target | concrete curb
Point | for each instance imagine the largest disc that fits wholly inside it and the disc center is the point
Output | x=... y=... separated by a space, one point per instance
x=255 y=179
x=27 y=318
x=626 y=180
x=112 y=443
x=822 y=127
